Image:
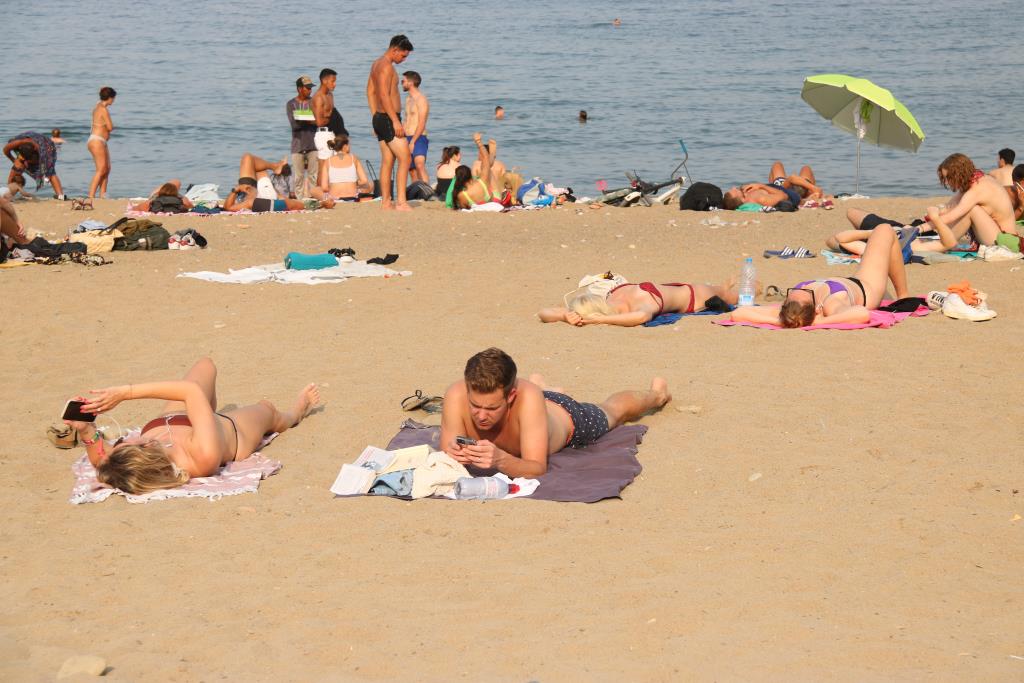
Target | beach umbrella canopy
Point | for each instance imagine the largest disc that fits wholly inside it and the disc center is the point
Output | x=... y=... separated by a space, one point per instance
x=869 y=111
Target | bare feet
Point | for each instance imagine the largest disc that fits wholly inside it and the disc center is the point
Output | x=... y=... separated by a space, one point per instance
x=307 y=399
x=402 y=206
x=660 y=388
x=279 y=166
x=387 y=205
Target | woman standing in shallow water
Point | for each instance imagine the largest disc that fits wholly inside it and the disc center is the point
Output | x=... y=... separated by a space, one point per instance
x=97 y=143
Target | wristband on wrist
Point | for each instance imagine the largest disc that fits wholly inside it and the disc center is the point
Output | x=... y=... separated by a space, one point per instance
x=95 y=437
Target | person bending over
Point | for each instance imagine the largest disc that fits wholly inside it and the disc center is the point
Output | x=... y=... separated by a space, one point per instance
x=345 y=179
x=841 y=299
x=35 y=155
x=188 y=438
x=630 y=305
x=980 y=206
x=517 y=424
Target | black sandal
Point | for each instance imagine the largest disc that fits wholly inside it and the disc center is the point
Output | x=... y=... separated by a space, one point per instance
x=429 y=404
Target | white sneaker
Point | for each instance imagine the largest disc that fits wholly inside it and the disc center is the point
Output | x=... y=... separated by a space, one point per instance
x=174 y=242
x=998 y=252
x=957 y=308
x=936 y=299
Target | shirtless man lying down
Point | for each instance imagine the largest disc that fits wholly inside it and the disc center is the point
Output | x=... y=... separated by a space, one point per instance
x=516 y=424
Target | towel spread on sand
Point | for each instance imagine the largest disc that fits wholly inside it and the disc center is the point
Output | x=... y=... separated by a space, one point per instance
x=277 y=272
x=673 y=318
x=879 y=319
x=232 y=479
x=584 y=475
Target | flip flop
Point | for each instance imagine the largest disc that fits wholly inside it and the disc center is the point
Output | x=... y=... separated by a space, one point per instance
x=788 y=252
x=418 y=401
x=773 y=293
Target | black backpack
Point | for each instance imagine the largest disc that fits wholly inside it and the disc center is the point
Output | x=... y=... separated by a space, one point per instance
x=701 y=197
x=420 y=190
x=167 y=204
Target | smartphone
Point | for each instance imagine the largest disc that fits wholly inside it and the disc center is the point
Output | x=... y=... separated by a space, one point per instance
x=73 y=411
x=465 y=441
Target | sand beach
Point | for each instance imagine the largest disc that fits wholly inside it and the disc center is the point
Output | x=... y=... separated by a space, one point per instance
x=842 y=505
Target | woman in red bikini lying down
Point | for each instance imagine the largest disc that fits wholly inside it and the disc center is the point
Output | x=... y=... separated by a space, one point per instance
x=841 y=299
x=189 y=438
x=630 y=305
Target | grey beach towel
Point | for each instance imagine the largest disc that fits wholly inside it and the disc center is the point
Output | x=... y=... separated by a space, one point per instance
x=582 y=475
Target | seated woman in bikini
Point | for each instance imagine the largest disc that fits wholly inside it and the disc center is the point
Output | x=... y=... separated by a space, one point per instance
x=467 y=191
x=345 y=179
x=189 y=438
x=630 y=305
x=842 y=299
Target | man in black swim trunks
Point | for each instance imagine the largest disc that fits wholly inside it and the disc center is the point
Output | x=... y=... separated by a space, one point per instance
x=385 y=105
x=516 y=424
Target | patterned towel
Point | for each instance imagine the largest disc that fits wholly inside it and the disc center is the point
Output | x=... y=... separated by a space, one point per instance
x=232 y=479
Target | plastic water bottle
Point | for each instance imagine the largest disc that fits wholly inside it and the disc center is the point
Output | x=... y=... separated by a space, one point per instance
x=482 y=488
x=747 y=277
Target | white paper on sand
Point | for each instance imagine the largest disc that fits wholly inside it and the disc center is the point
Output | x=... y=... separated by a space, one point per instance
x=356 y=478
x=276 y=272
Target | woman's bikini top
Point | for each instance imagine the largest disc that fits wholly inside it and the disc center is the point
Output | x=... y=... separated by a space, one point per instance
x=342 y=174
x=169 y=421
x=655 y=293
x=487 y=194
x=834 y=287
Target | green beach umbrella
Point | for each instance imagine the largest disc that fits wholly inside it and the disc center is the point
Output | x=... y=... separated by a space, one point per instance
x=870 y=112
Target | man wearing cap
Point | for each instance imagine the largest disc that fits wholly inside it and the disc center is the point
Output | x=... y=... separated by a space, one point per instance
x=304 y=155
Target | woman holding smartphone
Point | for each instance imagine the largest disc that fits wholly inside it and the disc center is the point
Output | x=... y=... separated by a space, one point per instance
x=188 y=438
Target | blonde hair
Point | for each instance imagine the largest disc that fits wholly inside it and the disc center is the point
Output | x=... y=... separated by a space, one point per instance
x=588 y=305
x=140 y=468
x=512 y=182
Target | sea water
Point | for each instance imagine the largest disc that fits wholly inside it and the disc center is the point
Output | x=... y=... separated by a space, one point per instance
x=200 y=83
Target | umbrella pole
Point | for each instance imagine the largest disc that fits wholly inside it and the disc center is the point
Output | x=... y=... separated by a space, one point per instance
x=856 y=189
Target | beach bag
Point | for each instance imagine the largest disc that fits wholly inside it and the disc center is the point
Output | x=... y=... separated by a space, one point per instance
x=530 y=191
x=420 y=190
x=602 y=283
x=167 y=204
x=129 y=226
x=148 y=238
x=701 y=197
x=97 y=241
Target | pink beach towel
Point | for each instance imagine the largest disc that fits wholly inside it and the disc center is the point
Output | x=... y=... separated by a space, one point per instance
x=232 y=479
x=880 y=319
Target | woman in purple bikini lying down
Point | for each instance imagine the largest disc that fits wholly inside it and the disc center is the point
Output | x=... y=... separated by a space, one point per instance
x=630 y=305
x=842 y=299
x=189 y=438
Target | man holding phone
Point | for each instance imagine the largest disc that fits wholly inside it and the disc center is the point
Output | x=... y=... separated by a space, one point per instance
x=492 y=420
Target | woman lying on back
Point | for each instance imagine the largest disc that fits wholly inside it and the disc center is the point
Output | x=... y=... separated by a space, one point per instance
x=188 y=438
x=630 y=305
x=839 y=299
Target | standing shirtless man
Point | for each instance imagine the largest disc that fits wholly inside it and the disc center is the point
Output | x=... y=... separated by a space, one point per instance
x=385 y=105
x=517 y=424
x=417 y=109
x=322 y=106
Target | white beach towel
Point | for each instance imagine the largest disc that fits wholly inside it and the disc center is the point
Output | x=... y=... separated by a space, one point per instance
x=276 y=272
